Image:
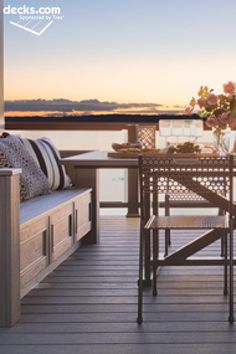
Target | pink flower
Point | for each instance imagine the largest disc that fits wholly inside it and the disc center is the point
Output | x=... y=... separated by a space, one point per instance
x=224 y=118
x=212 y=100
x=212 y=122
x=230 y=88
x=201 y=102
x=188 y=110
x=233 y=126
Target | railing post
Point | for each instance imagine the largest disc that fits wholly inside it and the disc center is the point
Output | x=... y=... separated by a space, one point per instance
x=132 y=180
x=9 y=247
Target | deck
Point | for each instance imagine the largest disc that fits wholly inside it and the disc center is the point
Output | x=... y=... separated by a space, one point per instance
x=88 y=305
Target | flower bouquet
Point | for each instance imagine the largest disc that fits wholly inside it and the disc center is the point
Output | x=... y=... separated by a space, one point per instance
x=218 y=110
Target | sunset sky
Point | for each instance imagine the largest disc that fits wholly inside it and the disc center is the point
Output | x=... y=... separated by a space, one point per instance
x=130 y=51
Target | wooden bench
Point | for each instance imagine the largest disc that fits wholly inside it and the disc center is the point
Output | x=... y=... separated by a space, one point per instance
x=35 y=237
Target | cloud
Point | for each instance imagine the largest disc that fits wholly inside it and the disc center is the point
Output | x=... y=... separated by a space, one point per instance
x=64 y=105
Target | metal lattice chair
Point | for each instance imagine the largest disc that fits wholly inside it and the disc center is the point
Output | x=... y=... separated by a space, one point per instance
x=210 y=178
x=147 y=135
x=184 y=198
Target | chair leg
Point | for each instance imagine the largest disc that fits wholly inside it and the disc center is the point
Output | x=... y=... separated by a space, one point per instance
x=147 y=255
x=225 y=242
x=140 y=280
x=167 y=232
x=167 y=238
x=223 y=250
x=155 y=255
x=231 y=277
x=222 y=247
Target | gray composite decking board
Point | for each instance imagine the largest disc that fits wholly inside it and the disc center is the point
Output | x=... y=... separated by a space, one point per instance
x=121 y=292
x=125 y=265
x=131 y=308
x=193 y=286
x=85 y=285
x=129 y=279
x=54 y=300
x=117 y=253
x=127 y=272
x=106 y=279
x=122 y=267
x=84 y=262
x=132 y=240
x=89 y=304
x=124 y=250
x=94 y=273
x=124 y=278
x=174 y=244
x=107 y=257
x=122 y=255
x=111 y=317
x=209 y=250
x=168 y=284
x=73 y=267
x=106 y=263
x=119 y=327
x=134 y=249
x=116 y=338
x=226 y=348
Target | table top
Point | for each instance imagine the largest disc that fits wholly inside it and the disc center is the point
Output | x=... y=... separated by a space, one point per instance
x=99 y=159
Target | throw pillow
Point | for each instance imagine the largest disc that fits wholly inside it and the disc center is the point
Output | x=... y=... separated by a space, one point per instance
x=14 y=155
x=48 y=158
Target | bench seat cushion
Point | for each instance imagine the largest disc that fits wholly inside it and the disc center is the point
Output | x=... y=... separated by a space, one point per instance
x=43 y=204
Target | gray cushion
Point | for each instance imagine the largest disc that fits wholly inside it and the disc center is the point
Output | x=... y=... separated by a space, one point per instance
x=40 y=205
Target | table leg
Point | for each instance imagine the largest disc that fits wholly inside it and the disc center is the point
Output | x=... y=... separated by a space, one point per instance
x=89 y=178
x=133 y=210
x=132 y=193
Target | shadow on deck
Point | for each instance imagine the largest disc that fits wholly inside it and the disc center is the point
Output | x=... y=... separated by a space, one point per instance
x=88 y=305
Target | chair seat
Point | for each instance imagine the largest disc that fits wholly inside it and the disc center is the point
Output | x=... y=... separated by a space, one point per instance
x=188 y=222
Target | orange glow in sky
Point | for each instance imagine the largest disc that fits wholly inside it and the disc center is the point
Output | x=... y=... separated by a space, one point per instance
x=132 y=51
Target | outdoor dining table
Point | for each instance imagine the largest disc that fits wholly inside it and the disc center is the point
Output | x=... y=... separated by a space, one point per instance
x=86 y=169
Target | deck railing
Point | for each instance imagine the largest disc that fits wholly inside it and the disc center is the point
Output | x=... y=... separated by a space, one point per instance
x=92 y=122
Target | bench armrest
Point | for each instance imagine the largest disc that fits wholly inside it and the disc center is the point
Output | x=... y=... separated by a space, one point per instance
x=9 y=171
x=9 y=247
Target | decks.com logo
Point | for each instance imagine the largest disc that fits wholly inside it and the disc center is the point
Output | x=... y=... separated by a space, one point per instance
x=35 y=20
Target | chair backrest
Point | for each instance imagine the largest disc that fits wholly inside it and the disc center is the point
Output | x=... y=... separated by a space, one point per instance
x=146 y=134
x=208 y=177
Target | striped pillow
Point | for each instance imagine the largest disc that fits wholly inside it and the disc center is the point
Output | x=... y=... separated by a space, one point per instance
x=47 y=157
x=13 y=154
